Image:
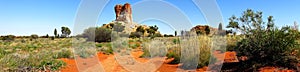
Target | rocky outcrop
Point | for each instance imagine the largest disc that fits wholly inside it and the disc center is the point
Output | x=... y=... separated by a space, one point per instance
x=202 y=29
x=123 y=13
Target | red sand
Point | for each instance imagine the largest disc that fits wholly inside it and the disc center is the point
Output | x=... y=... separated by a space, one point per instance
x=110 y=65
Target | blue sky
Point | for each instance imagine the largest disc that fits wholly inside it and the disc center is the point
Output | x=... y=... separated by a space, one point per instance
x=26 y=17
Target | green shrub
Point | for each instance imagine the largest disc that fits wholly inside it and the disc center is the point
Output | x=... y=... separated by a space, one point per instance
x=99 y=45
x=176 y=41
x=135 y=35
x=97 y=34
x=262 y=46
x=8 y=38
x=52 y=37
x=64 y=53
x=34 y=36
x=105 y=48
x=165 y=35
x=174 y=55
x=52 y=65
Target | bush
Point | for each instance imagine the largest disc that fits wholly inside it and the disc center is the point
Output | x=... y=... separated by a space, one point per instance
x=34 y=36
x=8 y=38
x=53 y=65
x=176 y=41
x=264 y=46
x=174 y=55
x=106 y=48
x=64 y=53
x=135 y=35
x=165 y=35
x=97 y=34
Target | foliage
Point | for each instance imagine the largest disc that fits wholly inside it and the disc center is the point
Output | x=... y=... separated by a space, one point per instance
x=140 y=29
x=55 y=32
x=175 y=33
x=157 y=35
x=83 y=48
x=165 y=35
x=152 y=30
x=135 y=35
x=97 y=34
x=262 y=46
x=22 y=55
x=34 y=36
x=105 y=48
x=176 y=41
x=65 y=31
x=220 y=27
x=207 y=30
x=8 y=38
x=64 y=53
x=118 y=27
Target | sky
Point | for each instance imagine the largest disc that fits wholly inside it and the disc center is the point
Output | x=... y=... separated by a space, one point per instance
x=26 y=17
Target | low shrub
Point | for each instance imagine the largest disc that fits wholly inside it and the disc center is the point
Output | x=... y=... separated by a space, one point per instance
x=135 y=35
x=64 y=53
x=97 y=34
x=34 y=36
x=8 y=38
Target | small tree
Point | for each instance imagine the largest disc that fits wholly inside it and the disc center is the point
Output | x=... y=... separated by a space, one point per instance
x=55 y=32
x=175 y=33
x=264 y=45
x=34 y=36
x=220 y=27
x=8 y=38
x=152 y=30
x=207 y=30
x=141 y=30
x=47 y=36
x=65 y=31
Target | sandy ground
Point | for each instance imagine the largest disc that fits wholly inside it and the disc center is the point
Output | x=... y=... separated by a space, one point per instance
x=109 y=63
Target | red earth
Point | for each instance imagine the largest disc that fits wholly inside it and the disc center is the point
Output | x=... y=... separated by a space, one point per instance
x=109 y=63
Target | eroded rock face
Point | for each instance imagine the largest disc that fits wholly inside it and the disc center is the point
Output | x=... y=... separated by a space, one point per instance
x=123 y=13
x=118 y=9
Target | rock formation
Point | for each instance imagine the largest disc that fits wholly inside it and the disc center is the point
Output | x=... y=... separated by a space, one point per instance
x=123 y=13
x=202 y=29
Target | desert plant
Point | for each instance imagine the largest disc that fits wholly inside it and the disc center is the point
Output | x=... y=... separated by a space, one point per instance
x=55 y=33
x=8 y=38
x=34 y=36
x=176 y=41
x=135 y=35
x=118 y=27
x=97 y=34
x=64 y=53
x=65 y=32
x=264 y=46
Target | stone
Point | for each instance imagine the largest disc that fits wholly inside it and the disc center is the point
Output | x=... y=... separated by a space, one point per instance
x=123 y=13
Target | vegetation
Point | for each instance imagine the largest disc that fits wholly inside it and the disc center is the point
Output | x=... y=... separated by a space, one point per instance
x=97 y=34
x=8 y=38
x=34 y=36
x=38 y=55
x=118 y=27
x=55 y=32
x=65 y=31
x=175 y=33
x=262 y=46
x=135 y=35
x=141 y=29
